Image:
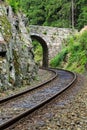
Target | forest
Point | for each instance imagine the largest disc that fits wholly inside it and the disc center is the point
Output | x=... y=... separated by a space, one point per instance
x=59 y=13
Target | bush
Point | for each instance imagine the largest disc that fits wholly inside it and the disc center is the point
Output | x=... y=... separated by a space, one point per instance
x=56 y=61
x=14 y=4
x=38 y=52
x=76 y=53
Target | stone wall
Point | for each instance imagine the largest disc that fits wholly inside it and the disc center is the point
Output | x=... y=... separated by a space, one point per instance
x=17 y=66
x=52 y=36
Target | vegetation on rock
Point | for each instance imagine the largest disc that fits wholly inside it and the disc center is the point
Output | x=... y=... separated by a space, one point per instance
x=17 y=65
x=5 y=28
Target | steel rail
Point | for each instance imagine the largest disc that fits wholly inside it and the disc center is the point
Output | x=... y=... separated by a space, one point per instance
x=31 y=89
x=17 y=118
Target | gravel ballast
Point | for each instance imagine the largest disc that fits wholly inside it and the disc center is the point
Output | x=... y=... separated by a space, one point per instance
x=66 y=112
x=43 y=75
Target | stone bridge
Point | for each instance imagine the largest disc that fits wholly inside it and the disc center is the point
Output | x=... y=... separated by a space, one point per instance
x=50 y=38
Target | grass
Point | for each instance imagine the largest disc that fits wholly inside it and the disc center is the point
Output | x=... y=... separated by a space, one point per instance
x=73 y=55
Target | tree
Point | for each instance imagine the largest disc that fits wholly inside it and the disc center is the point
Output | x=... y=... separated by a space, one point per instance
x=72 y=13
x=60 y=13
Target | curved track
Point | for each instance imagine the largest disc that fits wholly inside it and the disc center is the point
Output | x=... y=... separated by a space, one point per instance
x=31 y=89
x=27 y=102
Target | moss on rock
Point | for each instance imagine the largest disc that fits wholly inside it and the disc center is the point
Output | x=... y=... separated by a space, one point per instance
x=5 y=28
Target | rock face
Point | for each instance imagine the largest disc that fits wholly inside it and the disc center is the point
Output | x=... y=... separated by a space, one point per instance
x=17 y=66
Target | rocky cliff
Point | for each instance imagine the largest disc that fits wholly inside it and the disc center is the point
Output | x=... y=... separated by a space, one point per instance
x=17 y=66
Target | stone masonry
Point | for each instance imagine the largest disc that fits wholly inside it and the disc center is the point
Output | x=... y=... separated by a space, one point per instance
x=52 y=36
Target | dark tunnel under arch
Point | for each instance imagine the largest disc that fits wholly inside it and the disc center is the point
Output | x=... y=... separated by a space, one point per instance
x=44 y=47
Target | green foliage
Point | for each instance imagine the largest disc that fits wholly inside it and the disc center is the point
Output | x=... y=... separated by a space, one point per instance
x=56 y=61
x=81 y=13
x=37 y=52
x=58 y=13
x=14 y=4
x=74 y=54
x=53 y=12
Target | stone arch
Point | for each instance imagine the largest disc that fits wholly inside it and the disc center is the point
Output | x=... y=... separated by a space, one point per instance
x=44 y=47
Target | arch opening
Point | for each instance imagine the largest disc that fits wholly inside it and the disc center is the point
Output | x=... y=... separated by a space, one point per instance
x=44 y=49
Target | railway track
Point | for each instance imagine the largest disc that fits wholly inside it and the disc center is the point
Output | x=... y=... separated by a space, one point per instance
x=18 y=106
x=31 y=89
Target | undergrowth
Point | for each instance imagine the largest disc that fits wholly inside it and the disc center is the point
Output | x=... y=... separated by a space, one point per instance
x=73 y=55
x=38 y=52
